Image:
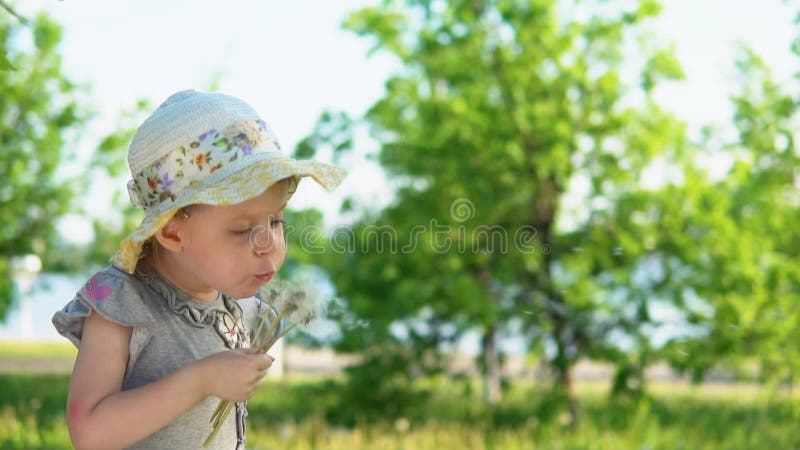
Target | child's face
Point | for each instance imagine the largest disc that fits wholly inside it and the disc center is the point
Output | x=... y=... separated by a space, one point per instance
x=235 y=249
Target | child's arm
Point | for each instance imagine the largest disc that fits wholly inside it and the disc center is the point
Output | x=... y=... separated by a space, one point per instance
x=100 y=415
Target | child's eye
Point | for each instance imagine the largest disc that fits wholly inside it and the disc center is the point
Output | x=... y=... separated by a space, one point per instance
x=246 y=231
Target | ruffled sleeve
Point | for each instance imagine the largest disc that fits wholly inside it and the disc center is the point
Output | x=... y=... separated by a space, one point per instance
x=116 y=296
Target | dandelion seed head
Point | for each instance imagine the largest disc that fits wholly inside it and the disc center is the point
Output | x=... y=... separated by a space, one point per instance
x=304 y=303
x=298 y=303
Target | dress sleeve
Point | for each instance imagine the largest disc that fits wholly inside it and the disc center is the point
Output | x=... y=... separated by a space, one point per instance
x=112 y=294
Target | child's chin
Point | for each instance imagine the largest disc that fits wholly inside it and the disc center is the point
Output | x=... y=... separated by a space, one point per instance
x=244 y=293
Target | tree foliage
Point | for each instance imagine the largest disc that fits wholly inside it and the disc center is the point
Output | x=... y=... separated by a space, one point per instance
x=738 y=259
x=501 y=108
x=40 y=113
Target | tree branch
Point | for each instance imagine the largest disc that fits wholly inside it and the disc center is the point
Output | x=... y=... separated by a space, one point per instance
x=11 y=11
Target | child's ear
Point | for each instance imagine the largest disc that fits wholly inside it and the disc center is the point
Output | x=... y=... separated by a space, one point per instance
x=170 y=236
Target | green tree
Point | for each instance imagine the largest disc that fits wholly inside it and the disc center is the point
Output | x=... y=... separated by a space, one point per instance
x=40 y=113
x=740 y=259
x=112 y=222
x=500 y=107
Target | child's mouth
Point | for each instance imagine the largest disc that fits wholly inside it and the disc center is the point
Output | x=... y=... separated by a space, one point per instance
x=264 y=277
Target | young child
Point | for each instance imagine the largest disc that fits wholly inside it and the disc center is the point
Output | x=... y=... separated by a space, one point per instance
x=161 y=333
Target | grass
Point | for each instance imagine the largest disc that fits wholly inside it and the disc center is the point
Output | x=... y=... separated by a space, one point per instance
x=32 y=412
x=37 y=350
x=311 y=414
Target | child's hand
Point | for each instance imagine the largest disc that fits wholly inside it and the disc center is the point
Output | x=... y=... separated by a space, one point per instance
x=233 y=374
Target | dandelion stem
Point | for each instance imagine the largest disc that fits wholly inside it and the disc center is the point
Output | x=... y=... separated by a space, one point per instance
x=300 y=308
x=262 y=320
x=225 y=406
x=277 y=338
x=218 y=421
x=272 y=327
x=219 y=409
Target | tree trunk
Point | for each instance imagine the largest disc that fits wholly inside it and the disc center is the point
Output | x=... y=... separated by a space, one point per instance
x=491 y=369
x=491 y=355
x=545 y=211
x=564 y=371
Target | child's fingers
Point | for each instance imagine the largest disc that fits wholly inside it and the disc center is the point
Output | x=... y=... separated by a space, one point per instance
x=262 y=370
x=263 y=362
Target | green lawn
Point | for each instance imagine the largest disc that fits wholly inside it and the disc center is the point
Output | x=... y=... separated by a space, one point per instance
x=312 y=414
x=37 y=350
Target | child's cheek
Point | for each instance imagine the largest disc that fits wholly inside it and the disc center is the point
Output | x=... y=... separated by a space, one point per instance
x=74 y=413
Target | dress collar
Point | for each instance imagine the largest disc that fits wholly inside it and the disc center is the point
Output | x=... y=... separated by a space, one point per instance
x=196 y=312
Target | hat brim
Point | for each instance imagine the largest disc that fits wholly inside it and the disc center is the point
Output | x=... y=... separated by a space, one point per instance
x=227 y=188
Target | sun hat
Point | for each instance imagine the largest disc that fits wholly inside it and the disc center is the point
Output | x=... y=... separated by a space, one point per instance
x=204 y=148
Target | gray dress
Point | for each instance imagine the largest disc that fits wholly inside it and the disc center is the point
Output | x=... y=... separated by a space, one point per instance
x=169 y=329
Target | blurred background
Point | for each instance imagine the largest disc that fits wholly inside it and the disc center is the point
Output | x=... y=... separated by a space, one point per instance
x=567 y=224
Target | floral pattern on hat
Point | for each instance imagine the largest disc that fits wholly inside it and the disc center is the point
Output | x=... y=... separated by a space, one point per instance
x=188 y=164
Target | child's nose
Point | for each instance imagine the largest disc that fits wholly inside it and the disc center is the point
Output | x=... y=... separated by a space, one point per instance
x=264 y=242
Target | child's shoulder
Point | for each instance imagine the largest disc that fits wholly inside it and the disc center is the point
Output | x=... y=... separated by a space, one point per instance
x=120 y=296
x=115 y=295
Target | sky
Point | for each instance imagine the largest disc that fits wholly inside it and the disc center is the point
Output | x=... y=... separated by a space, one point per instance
x=291 y=60
x=706 y=34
